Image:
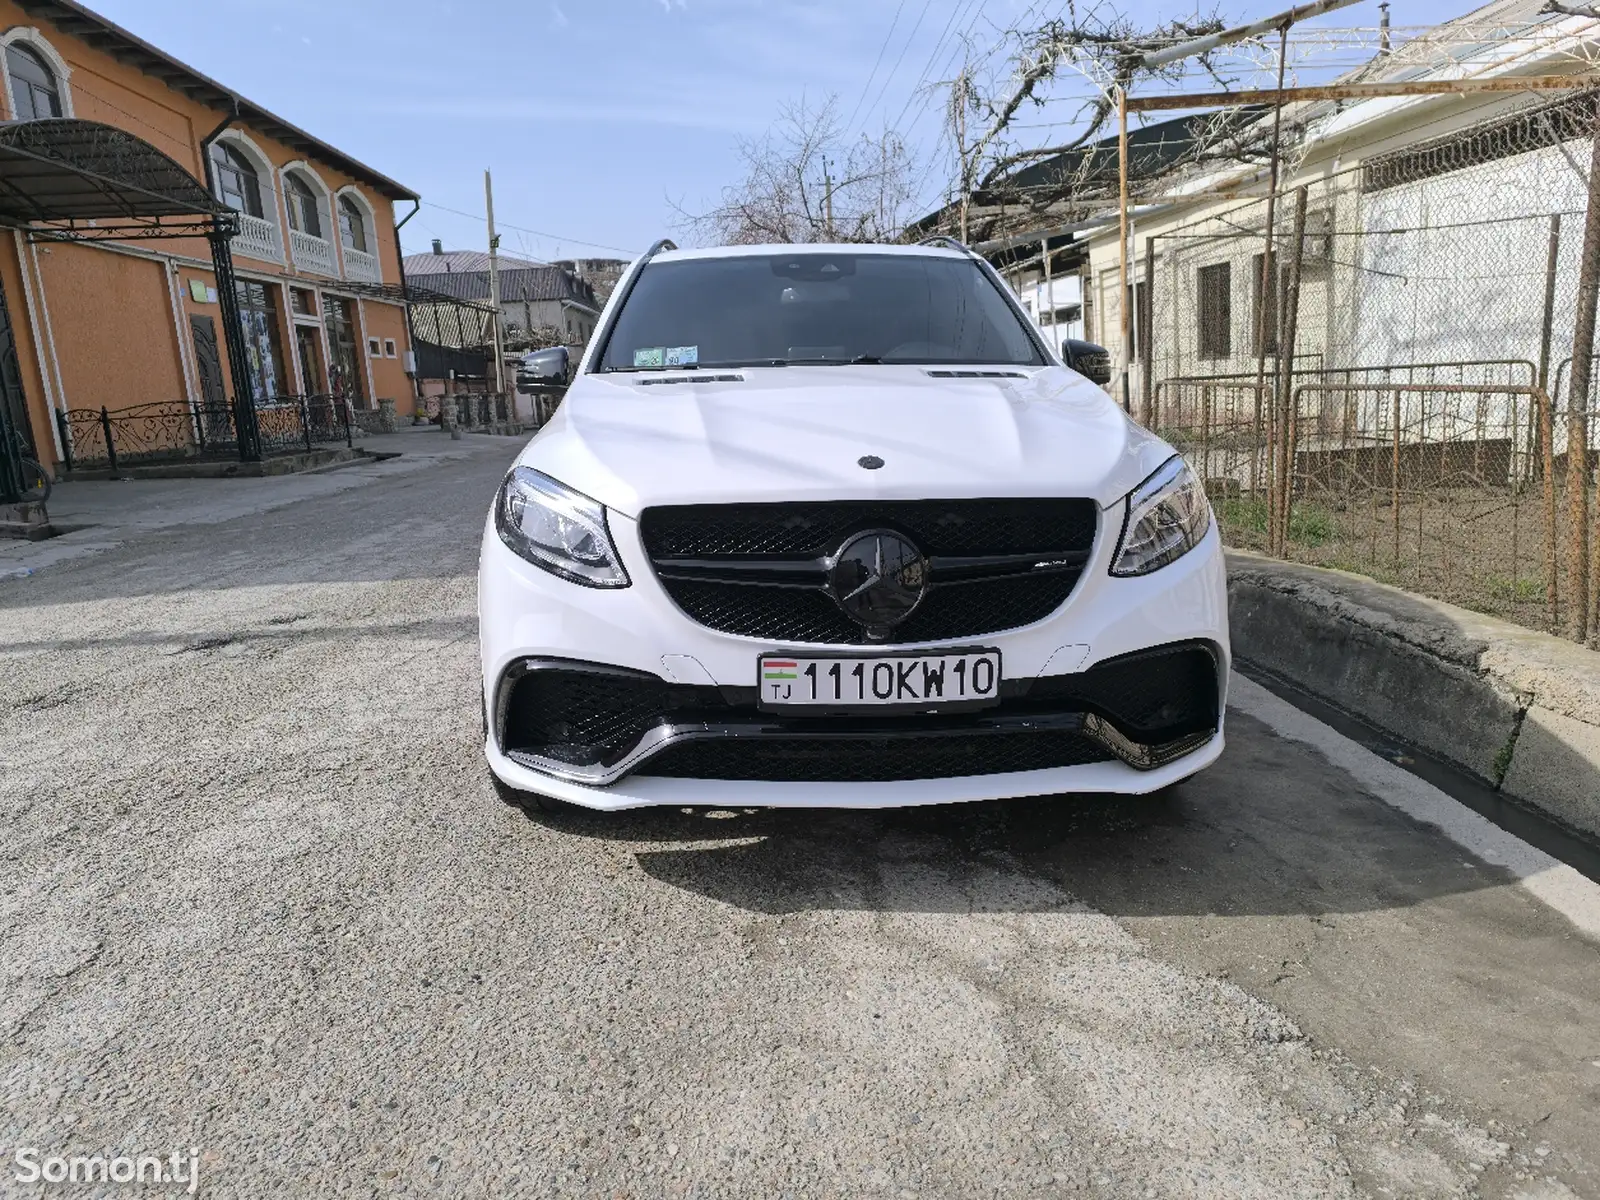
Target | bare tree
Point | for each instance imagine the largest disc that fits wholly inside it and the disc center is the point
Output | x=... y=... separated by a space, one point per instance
x=805 y=182
x=1095 y=41
x=537 y=337
x=1570 y=10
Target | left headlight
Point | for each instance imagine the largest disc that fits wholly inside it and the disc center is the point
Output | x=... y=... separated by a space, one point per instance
x=558 y=529
x=1167 y=516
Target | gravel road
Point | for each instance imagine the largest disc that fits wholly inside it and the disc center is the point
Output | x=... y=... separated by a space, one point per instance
x=258 y=898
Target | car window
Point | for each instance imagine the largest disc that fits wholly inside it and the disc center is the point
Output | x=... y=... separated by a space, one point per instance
x=815 y=308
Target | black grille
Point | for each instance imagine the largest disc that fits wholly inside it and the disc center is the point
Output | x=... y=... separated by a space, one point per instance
x=808 y=529
x=904 y=756
x=586 y=717
x=797 y=615
x=798 y=532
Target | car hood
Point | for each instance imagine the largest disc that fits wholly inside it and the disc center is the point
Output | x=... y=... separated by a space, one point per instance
x=636 y=439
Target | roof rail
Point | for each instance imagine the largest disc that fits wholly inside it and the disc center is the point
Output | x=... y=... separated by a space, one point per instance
x=948 y=243
x=663 y=244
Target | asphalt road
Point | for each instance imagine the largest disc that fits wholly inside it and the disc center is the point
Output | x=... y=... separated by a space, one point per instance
x=257 y=897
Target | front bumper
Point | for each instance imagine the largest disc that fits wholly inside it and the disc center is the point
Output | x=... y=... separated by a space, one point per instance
x=529 y=617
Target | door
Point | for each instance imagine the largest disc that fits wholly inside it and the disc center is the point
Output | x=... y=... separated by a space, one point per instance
x=309 y=344
x=346 y=366
x=215 y=421
x=319 y=408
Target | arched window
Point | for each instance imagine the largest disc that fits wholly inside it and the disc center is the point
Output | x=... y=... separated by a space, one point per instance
x=237 y=180
x=34 y=87
x=301 y=198
x=352 y=225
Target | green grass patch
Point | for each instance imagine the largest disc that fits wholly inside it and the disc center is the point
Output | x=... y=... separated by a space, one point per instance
x=1310 y=525
x=1519 y=591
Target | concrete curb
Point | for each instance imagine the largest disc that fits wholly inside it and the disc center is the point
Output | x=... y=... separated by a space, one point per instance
x=1518 y=709
x=296 y=463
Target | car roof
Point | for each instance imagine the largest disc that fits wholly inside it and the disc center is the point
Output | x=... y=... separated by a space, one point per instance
x=809 y=248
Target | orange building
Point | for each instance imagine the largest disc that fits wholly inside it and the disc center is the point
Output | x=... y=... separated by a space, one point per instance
x=131 y=188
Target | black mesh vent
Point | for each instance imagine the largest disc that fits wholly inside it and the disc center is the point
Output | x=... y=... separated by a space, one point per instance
x=1153 y=696
x=584 y=717
x=795 y=615
x=807 y=530
x=804 y=531
x=874 y=760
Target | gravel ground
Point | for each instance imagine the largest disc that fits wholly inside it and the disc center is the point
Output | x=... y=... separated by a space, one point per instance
x=258 y=898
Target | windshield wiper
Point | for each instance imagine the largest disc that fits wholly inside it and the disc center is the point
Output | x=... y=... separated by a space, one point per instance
x=828 y=362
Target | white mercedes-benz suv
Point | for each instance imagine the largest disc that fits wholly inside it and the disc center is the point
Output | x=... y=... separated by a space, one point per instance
x=832 y=526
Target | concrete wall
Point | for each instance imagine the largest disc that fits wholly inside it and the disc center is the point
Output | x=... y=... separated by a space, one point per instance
x=1518 y=709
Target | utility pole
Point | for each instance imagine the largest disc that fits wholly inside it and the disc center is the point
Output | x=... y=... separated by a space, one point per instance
x=1122 y=244
x=827 y=198
x=961 y=148
x=494 y=287
x=1050 y=293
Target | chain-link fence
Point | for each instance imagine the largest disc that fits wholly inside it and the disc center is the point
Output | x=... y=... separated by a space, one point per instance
x=1388 y=388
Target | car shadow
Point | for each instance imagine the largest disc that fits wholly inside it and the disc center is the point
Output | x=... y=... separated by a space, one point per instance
x=1272 y=828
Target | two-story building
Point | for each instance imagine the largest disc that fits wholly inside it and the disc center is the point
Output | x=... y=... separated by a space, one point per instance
x=116 y=161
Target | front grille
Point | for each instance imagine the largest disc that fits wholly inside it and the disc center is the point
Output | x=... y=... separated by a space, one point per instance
x=805 y=529
x=725 y=545
x=591 y=718
x=876 y=760
x=810 y=615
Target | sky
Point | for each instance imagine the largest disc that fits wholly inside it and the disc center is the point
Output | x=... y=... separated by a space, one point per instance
x=600 y=119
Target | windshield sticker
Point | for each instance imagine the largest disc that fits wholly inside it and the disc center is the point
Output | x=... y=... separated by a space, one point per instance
x=683 y=356
x=649 y=356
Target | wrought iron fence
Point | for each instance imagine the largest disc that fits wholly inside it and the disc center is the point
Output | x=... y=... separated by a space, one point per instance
x=1388 y=389
x=171 y=431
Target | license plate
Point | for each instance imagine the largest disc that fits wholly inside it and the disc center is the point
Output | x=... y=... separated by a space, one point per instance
x=919 y=681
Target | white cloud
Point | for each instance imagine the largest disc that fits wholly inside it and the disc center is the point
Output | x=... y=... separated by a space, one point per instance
x=558 y=19
x=669 y=5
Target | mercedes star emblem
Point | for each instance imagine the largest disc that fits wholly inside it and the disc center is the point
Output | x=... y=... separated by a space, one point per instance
x=877 y=578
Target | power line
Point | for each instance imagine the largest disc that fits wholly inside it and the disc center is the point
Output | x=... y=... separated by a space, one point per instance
x=554 y=237
x=873 y=74
x=955 y=14
x=889 y=78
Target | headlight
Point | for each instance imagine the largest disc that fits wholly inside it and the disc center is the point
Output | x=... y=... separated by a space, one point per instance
x=1167 y=516
x=558 y=529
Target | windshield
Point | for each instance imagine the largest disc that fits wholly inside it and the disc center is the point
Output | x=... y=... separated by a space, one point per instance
x=774 y=310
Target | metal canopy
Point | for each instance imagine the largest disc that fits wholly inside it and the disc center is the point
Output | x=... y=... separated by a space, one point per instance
x=70 y=180
x=66 y=170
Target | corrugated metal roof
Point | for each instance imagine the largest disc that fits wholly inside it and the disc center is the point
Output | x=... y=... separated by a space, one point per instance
x=461 y=260
x=516 y=284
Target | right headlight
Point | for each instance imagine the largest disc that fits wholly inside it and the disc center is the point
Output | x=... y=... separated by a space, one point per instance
x=1167 y=516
